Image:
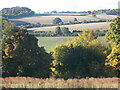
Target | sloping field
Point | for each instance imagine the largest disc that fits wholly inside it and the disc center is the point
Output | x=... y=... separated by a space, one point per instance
x=29 y=82
x=106 y=17
x=49 y=19
x=91 y=26
x=65 y=19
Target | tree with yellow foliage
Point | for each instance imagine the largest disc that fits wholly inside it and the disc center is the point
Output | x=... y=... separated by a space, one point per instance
x=83 y=56
x=113 y=37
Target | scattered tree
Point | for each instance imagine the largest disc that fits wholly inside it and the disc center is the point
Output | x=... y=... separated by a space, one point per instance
x=57 y=21
x=75 y=20
x=58 y=31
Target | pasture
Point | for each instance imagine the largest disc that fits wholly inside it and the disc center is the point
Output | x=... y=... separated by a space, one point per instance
x=50 y=42
x=91 y=26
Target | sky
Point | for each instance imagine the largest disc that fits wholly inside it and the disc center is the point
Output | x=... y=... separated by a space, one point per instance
x=40 y=6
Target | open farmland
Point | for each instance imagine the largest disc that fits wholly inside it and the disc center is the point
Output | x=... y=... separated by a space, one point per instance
x=65 y=18
x=106 y=17
x=49 y=19
x=91 y=26
x=81 y=84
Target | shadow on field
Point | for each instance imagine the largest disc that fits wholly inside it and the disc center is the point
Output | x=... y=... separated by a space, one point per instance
x=16 y=22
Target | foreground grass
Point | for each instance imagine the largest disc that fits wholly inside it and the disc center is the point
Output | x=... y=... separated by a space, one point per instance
x=29 y=82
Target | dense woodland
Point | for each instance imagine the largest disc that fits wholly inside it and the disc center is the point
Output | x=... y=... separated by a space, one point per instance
x=83 y=56
x=17 y=12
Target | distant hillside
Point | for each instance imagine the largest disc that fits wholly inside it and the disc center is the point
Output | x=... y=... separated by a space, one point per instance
x=100 y=11
x=17 y=12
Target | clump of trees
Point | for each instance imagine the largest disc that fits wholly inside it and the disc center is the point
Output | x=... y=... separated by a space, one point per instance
x=21 y=55
x=81 y=57
x=62 y=31
x=17 y=12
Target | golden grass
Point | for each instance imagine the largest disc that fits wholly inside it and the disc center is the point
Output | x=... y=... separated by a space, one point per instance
x=29 y=82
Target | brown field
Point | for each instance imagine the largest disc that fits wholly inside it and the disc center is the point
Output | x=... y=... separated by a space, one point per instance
x=49 y=19
x=28 y=82
x=106 y=17
x=91 y=26
x=65 y=19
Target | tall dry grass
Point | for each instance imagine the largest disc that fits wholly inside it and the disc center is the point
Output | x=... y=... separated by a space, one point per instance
x=29 y=82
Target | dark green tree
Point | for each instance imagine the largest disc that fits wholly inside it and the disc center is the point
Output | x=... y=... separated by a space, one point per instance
x=75 y=19
x=17 y=12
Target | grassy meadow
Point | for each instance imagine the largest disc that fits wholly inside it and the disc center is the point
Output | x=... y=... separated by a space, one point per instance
x=50 y=42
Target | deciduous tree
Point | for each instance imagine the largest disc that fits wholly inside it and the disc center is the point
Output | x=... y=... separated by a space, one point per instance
x=22 y=56
x=113 y=37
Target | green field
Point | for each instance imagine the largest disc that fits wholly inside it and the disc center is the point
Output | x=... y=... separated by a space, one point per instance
x=50 y=42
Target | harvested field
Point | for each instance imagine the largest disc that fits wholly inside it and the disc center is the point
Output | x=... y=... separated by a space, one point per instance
x=65 y=18
x=49 y=19
x=91 y=26
x=106 y=17
x=29 y=82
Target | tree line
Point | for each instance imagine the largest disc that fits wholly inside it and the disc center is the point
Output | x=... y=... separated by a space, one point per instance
x=63 y=31
x=83 y=56
x=100 y=11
